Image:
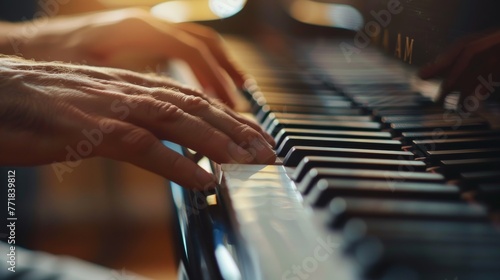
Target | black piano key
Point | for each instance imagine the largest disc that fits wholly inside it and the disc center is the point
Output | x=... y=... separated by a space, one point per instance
x=316 y=174
x=380 y=88
x=294 y=98
x=297 y=153
x=269 y=88
x=394 y=101
x=328 y=96
x=378 y=144
x=390 y=234
x=310 y=162
x=488 y=194
x=469 y=180
x=458 y=143
x=432 y=260
x=278 y=124
x=422 y=117
x=290 y=83
x=398 y=128
x=434 y=157
x=266 y=71
x=380 y=113
x=410 y=107
x=327 y=189
x=311 y=117
x=310 y=101
x=389 y=98
x=283 y=133
x=453 y=168
x=266 y=109
x=408 y=137
x=364 y=118
x=388 y=122
x=299 y=109
x=452 y=231
x=343 y=209
x=370 y=93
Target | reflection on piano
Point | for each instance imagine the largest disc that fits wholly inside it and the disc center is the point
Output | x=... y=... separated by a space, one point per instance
x=374 y=181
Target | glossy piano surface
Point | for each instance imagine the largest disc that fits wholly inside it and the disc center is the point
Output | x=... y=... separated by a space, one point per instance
x=375 y=182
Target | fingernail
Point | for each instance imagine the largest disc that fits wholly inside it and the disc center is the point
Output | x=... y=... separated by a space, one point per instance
x=205 y=179
x=264 y=152
x=239 y=154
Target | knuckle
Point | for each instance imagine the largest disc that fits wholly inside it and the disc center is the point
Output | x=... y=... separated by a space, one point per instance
x=245 y=130
x=194 y=103
x=158 y=110
x=137 y=140
x=170 y=112
x=176 y=163
x=209 y=134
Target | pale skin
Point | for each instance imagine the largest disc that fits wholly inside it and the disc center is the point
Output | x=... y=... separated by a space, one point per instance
x=45 y=106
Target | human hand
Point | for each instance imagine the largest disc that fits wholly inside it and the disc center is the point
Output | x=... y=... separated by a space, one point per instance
x=471 y=66
x=131 y=39
x=52 y=112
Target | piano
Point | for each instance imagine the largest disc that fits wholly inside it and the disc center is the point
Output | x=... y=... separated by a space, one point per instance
x=373 y=180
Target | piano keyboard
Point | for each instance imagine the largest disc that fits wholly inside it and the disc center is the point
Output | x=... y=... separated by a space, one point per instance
x=373 y=180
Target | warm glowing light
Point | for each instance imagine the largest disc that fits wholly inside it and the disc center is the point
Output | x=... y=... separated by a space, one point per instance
x=197 y=10
x=327 y=14
x=226 y=8
x=123 y=3
x=174 y=11
x=212 y=199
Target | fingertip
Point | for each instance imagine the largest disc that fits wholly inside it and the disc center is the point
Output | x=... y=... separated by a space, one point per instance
x=269 y=139
x=262 y=151
x=206 y=181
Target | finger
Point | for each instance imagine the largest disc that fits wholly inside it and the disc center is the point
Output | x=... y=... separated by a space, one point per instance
x=216 y=46
x=160 y=83
x=246 y=121
x=167 y=121
x=210 y=76
x=444 y=62
x=153 y=114
x=164 y=40
x=138 y=146
x=90 y=135
x=477 y=88
x=469 y=56
x=204 y=66
x=241 y=133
